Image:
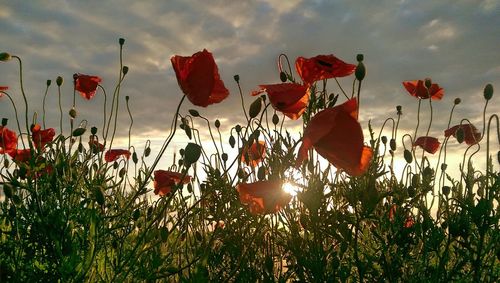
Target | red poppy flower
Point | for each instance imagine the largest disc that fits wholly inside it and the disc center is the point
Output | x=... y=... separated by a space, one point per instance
x=471 y=135
x=86 y=85
x=263 y=197
x=419 y=90
x=254 y=154
x=113 y=154
x=322 y=67
x=289 y=98
x=8 y=140
x=409 y=222
x=164 y=180
x=20 y=155
x=198 y=77
x=336 y=135
x=429 y=144
x=3 y=88
x=42 y=137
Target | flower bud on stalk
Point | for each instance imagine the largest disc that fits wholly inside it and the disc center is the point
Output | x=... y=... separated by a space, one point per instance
x=59 y=81
x=121 y=41
x=488 y=91
x=4 y=57
x=399 y=110
x=457 y=101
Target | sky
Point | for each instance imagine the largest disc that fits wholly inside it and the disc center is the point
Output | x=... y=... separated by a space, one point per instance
x=454 y=42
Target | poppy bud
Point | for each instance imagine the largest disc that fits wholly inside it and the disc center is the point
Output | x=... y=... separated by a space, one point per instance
x=134 y=157
x=75 y=77
x=224 y=157
x=5 y=56
x=72 y=113
x=428 y=83
x=236 y=78
x=127 y=98
x=399 y=109
x=360 y=71
x=59 y=81
x=237 y=128
x=392 y=144
x=415 y=180
x=443 y=166
x=93 y=130
x=49 y=82
x=276 y=119
x=147 y=151
x=4 y=121
x=78 y=132
x=384 y=139
x=457 y=101
x=460 y=135
x=428 y=172
x=407 y=155
x=283 y=77
x=231 y=141
x=446 y=190
x=121 y=41
x=191 y=153
x=125 y=70
x=217 y=123
x=488 y=91
x=255 y=108
x=360 y=57
x=194 y=113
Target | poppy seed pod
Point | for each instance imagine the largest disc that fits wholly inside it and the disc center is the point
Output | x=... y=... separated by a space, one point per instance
x=5 y=56
x=399 y=110
x=384 y=139
x=360 y=57
x=121 y=41
x=125 y=70
x=488 y=91
x=49 y=82
x=59 y=81
x=457 y=101
x=407 y=155
x=360 y=71
x=4 y=121
x=72 y=113
x=392 y=144
x=428 y=83
x=93 y=130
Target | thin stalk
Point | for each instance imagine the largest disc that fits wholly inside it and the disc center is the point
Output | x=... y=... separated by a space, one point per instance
x=15 y=112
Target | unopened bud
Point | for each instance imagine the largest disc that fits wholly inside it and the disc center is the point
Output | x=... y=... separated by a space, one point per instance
x=49 y=82
x=457 y=101
x=121 y=41
x=283 y=77
x=360 y=71
x=194 y=113
x=93 y=130
x=127 y=98
x=59 y=81
x=5 y=56
x=4 y=121
x=237 y=78
x=125 y=70
x=217 y=123
x=384 y=139
x=446 y=190
x=360 y=57
x=488 y=91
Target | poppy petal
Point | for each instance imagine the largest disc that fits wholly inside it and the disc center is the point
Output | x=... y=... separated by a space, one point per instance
x=429 y=144
x=322 y=67
x=263 y=197
x=289 y=98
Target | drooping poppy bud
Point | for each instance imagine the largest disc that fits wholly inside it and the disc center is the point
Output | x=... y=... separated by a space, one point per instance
x=59 y=81
x=4 y=57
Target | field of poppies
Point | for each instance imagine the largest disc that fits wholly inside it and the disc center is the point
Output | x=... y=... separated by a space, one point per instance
x=262 y=204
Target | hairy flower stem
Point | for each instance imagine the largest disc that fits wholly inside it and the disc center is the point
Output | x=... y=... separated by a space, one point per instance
x=15 y=113
x=242 y=101
x=104 y=117
x=43 y=105
x=60 y=108
x=116 y=96
x=341 y=89
x=24 y=97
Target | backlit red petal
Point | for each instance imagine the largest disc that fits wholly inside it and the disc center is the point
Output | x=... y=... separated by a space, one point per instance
x=322 y=67
x=429 y=144
x=263 y=197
